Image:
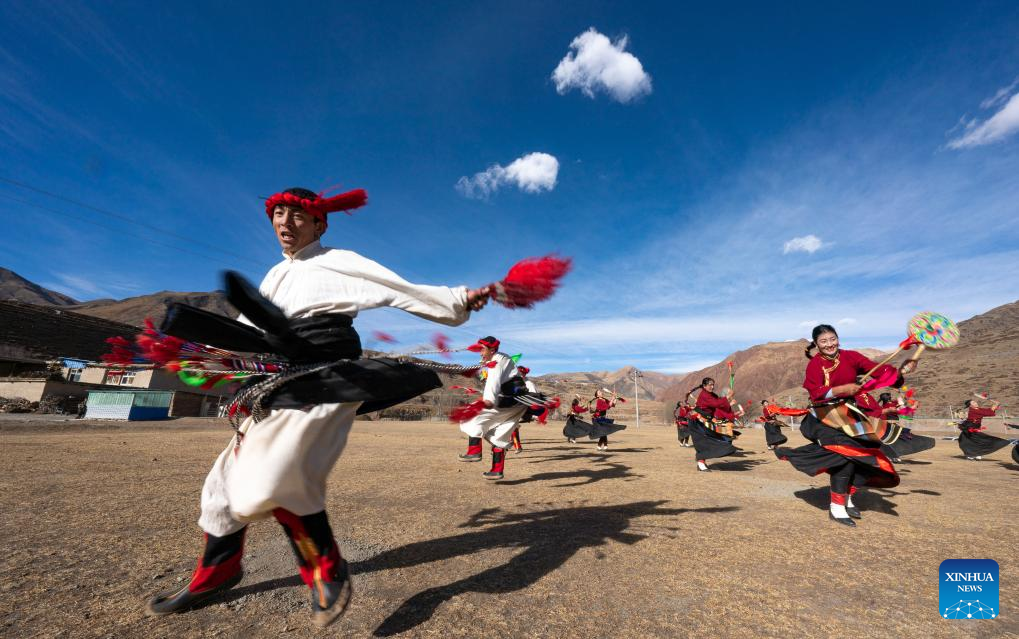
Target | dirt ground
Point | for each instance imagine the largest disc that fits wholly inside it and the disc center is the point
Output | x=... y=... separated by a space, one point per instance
x=632 y=542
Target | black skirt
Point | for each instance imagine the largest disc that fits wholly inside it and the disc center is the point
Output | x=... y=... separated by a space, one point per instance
x=908 y=444
x=978 y=444
x=707 y=443
x=773 y=433
x=830 y=449
x=576 y=428
x=1015 y=454
x=603 y=427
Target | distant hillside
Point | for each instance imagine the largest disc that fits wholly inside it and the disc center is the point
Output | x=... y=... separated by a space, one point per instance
x=134 y=310
x=48 y=332
x=761 y=371
x=649 y=385
x=13 y=287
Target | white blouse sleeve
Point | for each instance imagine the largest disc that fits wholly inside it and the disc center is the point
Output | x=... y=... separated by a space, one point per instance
x=382 y=287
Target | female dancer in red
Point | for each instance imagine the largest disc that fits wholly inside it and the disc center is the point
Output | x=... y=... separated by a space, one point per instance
x=682 y=415
x=852 y=462
x=773 y=435
x=972 y=441
x=707 y=442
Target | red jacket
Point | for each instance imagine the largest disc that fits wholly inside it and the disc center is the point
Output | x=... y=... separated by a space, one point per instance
x=715 y=406
x=601 y=406
x=976 y=415
x=823 y=374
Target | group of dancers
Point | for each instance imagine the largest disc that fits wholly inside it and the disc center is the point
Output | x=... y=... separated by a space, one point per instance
x=846 y=428
x=293 y=418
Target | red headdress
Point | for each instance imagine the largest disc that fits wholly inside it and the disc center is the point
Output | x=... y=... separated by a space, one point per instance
x=319 y=206
x=489 y=342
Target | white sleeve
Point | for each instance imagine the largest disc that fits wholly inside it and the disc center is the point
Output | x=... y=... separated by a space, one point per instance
x=531 y=388
x=382 y=287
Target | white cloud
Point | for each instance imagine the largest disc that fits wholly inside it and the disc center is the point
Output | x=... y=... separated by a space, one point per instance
x=846 y=321
x=598 y=64
x=532 y=173
x=996 y=128
x=805 y=244
x=999 y=97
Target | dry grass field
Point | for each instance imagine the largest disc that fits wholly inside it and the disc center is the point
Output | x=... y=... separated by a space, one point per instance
x=573 y=543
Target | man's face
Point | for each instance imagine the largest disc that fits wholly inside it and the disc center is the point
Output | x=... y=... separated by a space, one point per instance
x=487 y=353
x=295 y=228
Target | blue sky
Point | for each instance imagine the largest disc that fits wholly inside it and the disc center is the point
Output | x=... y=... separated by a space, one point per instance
x=722 y=176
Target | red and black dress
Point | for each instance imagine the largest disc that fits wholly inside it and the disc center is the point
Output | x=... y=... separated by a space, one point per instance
x=708 y=443
x=602 y=426
x=908 y=443
x=773 y=434
x=975 y=443
x=682 y=415
x=852 y=462
x=575 y=426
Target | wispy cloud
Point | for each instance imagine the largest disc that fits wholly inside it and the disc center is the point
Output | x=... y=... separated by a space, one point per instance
x=86 y=288
x=1001 y=125
x=532 y=173
x=596 y=64
x=805 y=244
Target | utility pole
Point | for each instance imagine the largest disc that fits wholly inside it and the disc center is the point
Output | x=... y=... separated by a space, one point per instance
x=636 y=395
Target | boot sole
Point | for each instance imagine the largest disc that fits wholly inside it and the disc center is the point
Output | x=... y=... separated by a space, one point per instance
x=322 y=618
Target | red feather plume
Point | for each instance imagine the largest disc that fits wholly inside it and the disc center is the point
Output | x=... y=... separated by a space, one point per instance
x=467 y=412
x=529 y=281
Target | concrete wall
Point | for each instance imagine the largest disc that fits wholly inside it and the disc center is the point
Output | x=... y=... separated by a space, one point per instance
x=35 y=389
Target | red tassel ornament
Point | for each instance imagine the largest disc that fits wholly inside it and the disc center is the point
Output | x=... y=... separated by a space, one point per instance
x=530 y=281
x=467 y=412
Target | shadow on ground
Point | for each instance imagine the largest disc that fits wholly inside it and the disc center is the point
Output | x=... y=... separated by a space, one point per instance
x=606 y=470
x=874 y=499
x=737 y=466
x=548 y=539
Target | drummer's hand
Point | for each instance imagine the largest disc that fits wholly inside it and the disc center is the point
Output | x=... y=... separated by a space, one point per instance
x=908 y=367
x=488 y=404
x=477 y=298
x=847 y=390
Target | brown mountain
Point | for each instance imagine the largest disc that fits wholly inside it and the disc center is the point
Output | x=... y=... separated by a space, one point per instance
x=13 y=287
x=761 y=372
x=986 y=360
x=649 y=385
x=134 y=310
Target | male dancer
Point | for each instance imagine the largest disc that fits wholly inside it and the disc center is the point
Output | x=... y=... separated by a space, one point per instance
x=278 y=466
x=500 y=417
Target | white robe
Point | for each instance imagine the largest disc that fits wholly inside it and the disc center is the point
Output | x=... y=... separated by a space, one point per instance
x=285 y=459
x=496 y=424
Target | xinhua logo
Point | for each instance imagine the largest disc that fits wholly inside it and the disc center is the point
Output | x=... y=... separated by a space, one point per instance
x=969 y=589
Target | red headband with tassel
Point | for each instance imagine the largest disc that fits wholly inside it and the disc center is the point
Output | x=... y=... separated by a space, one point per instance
x=320 y=206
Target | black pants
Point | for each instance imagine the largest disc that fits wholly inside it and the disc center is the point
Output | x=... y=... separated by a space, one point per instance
x=845 y=477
